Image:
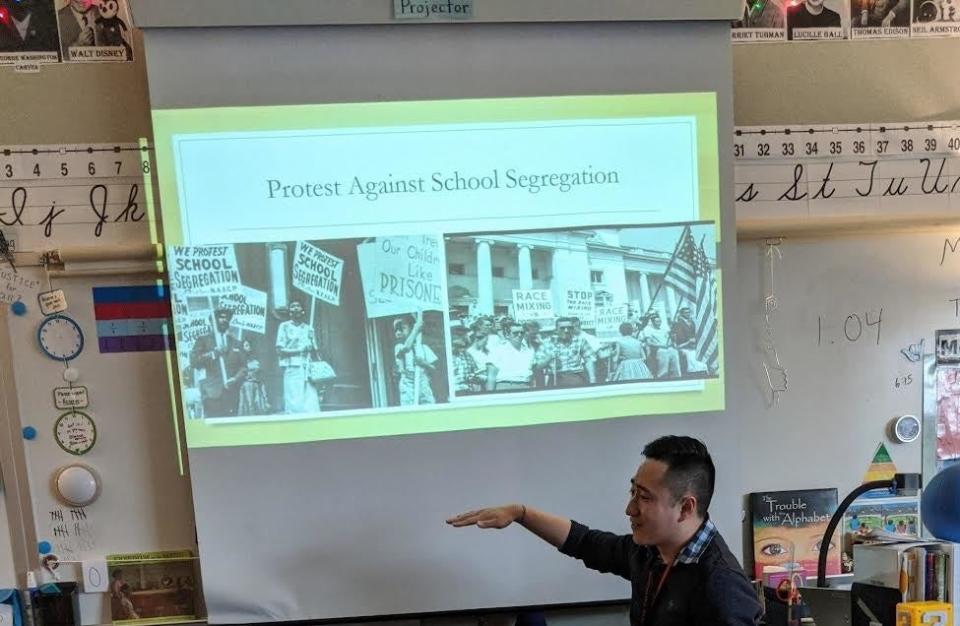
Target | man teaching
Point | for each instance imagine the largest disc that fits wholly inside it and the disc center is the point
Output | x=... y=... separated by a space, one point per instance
x=679 y=567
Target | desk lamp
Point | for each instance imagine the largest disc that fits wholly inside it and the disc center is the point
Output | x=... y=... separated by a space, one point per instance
x=900 y=484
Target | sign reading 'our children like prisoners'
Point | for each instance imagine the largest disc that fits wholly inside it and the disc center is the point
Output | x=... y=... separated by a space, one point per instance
x=401 y=275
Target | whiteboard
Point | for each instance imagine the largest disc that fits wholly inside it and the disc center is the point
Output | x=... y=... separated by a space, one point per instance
x=842 y=384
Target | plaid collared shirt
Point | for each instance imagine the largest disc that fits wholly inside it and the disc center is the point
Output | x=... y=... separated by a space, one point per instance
x=692 y=552
x=571 y=357
x=465 y=371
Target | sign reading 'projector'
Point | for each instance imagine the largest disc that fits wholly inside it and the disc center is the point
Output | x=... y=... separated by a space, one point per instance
x=432 y=9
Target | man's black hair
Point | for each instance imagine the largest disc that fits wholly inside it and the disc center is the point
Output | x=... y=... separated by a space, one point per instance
x=689 y=468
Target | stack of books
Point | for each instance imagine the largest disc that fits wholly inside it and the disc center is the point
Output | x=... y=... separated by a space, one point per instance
x=920 y=570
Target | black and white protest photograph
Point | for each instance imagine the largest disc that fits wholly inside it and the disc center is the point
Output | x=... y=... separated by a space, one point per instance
x=582 y=307
x=307 y=328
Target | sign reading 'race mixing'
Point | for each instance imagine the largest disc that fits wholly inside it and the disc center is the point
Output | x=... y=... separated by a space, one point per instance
x=532 y=304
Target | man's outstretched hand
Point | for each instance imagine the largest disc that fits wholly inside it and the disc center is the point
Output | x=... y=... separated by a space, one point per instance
x=493 y=517
x=551 y=528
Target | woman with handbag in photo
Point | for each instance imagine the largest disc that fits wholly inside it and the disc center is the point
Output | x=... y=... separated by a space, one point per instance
x=296 y=349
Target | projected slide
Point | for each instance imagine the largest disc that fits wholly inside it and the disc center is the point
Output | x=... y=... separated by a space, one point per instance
x=381 y=269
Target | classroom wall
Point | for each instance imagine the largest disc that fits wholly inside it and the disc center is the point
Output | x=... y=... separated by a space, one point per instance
x=840 y=417
x=846 y=81
x=145 y=502
x=840 y=396
x=77 y=102
x=140 y=455
x=71 y=103
x=90 y=103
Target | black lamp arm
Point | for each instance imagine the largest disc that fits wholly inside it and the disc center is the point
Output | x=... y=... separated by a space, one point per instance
x=838 y=517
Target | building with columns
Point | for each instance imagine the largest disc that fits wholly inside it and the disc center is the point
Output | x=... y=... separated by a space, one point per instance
x=483 y=270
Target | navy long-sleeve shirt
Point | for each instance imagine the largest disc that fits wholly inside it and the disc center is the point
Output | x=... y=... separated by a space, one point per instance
x=705 y=587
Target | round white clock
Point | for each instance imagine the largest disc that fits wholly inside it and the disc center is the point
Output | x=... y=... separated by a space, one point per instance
x=75 y=432
x=60 y=338
x=905 y=429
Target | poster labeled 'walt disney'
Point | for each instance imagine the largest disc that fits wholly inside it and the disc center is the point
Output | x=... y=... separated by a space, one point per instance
x=94 y=31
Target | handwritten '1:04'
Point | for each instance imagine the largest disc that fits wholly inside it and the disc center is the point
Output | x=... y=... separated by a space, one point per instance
x=855 y=328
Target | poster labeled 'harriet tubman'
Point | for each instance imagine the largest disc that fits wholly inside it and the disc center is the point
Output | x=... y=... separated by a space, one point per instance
x=761 y=22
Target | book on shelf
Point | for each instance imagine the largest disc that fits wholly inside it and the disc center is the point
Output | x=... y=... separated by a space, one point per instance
x=788 y=527
x=921 y=571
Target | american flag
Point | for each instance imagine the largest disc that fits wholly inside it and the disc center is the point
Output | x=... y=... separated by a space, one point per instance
x=682 y=271
x=692 y=276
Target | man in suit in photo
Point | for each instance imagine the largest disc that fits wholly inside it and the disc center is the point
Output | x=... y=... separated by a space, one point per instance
x=220 y=361
x=79 y=26
x=28 y=26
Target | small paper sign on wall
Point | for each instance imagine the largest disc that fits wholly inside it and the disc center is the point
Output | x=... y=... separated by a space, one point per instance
x=14 y=286
x=52 y=302
x=948 y=347
x=436 y=10
x=71 y=397
x=95 y=579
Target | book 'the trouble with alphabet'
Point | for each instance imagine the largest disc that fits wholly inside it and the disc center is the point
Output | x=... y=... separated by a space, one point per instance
x=788 y=528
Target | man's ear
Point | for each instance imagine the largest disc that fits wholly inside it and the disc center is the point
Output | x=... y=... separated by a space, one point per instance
x=688 y=507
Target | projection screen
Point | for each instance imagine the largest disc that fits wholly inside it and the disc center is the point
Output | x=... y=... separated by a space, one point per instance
x=400 y=266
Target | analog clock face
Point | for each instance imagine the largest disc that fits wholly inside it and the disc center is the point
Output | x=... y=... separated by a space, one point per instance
x=908 y=428
x=76 y=433
x=60 y=338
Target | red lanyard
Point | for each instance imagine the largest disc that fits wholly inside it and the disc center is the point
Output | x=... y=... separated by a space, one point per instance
x=647 y=601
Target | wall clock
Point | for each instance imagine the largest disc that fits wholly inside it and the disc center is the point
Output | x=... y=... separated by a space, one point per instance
x=905 y=429
x=75 y=432
x=60 y=338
